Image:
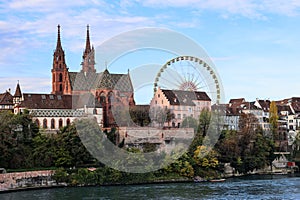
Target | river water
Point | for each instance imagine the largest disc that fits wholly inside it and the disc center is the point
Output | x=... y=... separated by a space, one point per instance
x=252 y=187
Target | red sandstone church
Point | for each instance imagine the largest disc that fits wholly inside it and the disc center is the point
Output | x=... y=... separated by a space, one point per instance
x=74 y=94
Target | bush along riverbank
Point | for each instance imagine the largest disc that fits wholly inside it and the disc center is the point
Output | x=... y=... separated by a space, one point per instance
x=28 y=148
x=108 y=176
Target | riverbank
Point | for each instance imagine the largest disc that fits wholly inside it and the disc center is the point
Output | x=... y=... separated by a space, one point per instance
x=34 y=180
x=27 y=180
x=249 y=187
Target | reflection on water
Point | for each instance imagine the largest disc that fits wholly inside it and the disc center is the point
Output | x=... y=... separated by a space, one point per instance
x=252 y=187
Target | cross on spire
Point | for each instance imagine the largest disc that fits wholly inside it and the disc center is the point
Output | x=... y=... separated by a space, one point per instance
x=58 y=44
x=87 y=43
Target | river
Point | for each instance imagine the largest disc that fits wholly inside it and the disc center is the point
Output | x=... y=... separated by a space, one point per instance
x=251 y=187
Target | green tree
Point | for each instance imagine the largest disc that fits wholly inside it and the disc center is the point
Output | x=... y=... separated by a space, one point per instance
x=140 y=115
x=190 y=122
x=16 y=140
x=204 y=121
x=273 y=119
x=169 y=115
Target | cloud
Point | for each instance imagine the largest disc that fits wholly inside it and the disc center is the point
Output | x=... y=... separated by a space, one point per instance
x=246 y=8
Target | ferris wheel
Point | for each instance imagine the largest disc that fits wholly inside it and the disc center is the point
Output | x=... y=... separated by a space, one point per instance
x=189 y=73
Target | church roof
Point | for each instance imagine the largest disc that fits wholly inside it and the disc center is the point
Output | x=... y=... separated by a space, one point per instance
x=46 y=101
x=81 y=81
x=53 y=101
x=186 y=98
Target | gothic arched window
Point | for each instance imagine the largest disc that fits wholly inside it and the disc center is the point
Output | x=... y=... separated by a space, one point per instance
x=68 y=122
x=60 y=87
x=111 y=97
x=45 y=123
x=60 y=123
x=60 y=77
x=102 y=98
x=37 y=122
x=95 y=111
x=52 y=124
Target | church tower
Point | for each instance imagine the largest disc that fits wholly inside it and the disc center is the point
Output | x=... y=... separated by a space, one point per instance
x=88 y=62
x=60 y=83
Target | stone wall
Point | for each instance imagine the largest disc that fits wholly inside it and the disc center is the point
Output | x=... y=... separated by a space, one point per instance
x=22 y=180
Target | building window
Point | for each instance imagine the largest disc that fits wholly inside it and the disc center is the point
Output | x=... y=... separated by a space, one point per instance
x=60 y=123
x=102 y=98
x=184 y=115
x=158 y=95
x=52 y=124
x=37 y=122
x=178 y=116
x=60 y=77
x=45 y=123
x=60 y=87
x=68 y=122
x=53 y=78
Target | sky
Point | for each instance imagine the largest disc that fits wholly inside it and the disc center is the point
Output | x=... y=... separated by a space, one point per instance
x=254 y=44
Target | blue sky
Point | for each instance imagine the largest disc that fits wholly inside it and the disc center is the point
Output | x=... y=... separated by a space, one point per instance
x=255 y=45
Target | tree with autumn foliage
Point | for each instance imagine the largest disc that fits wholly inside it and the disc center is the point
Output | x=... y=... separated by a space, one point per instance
x=273 y=119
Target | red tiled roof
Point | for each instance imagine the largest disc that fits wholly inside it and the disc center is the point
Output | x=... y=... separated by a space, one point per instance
x=46 y=101
x=52 y=101
x=6 y=99
x=237 y=101
x=18 y=92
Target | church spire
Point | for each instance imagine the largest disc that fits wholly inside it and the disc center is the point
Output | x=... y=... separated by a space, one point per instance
x=60 y=84
x=58 y=43
x=87 y=43
x=88 y=62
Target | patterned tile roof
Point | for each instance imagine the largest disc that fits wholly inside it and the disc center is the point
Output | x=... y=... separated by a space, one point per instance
x=121 y=82
x=57 y=113
x=81 y=81
x=185 y=98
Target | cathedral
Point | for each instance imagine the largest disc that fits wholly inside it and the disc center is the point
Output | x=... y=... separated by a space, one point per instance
x=103 y=91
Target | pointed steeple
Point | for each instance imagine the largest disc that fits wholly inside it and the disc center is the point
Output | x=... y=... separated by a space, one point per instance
x=17 y=98
x=88 y=61
x=58 y=43
x=18 y=92
x=87 y=43
x=59 y=69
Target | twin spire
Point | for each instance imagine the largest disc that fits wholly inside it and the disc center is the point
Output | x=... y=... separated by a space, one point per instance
x=88 y=48
x=88 y=53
